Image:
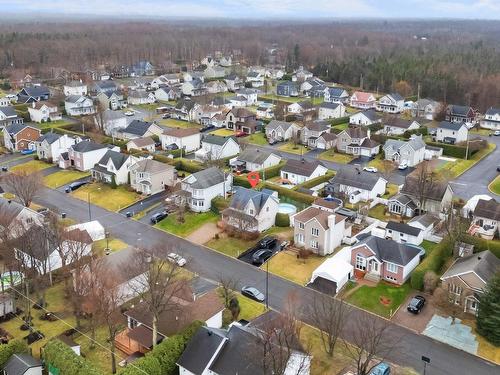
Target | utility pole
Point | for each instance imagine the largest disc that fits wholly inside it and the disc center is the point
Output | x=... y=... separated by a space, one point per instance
x=267 y=285
x=361 y=81
x=418 y=91
x=88 y=200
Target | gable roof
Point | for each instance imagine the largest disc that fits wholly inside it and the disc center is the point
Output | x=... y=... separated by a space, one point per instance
x=301 y=167
x=337 y=92
x=86 y=146
x=137 y=127
x=390 y=251
x=142 y=142
x=318 y=125
x=329 y=105
x=456 y=126
x=416 y=143
x=369 y=114
x=216 y=139
x=243 y=195
x=363 y=96
x=320 y=215
x=151 y=166
x=355 y=132
x=8 y=111
x=492 y=111
x=398 y=122
x=459 y=110
x=117 y=158
x=275 y=124
x=18 y=364
x=181 y=132
x=395 y=96
x=16 y=128
x=206 y=178
x=484 y=264
x=403 y=228
x=489 y=209
x=256 y=156
x=359 y=179
x=36 y=90
x=49 y=137
x=75 y=98
x=436 y=191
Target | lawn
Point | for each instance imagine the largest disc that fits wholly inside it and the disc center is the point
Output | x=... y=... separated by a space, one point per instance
x=62 y=178
x=54 y=124
x=391 y=189
x=485 y=348
x=31 y=166
x=378 y=212
x=223 y=132
x=343 y=126
x=250 y=309
x=293 y=149
x=100 y=355
x=257 y=139
x=286 y=265
x=495 y=185
x=114 y=244
x=192 y=221
x=104 y=196
x=456 y=168
x=172 y=123
x=368 y=298
x=377 y=162
x=331 y=155
x=281 y=98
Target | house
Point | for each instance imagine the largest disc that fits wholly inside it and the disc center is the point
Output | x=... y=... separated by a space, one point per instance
x=336 y=95
x=111 y=100
x=411 y=152
x=434 y=197
x=328 y=110
x=234 y=350
x=255 y=160
x=391 y=103
x=356 y=141
x=107 y=87
x=486 y=219
x=185 y=109
x=237 y=101
x=51 y=145
x=187 y=139
x=301 y=75
x=256 y=79
x=425 y=223
x=205 y=113
x=18 y=137
x=145 y=144
x=287 y=88
x=251 y=210
x=192 y=75
x=452 y=132
x=376 y=258
x=33 y=94
x=85 y=154
x=8 y=116
x=312 y=84
x=215 y=147
x=22 y=364
x=195 y=87
x=249 y=94
x=75 y=88
x=163 y=80
x=138 y=97
x=16 y=217
x=365 y=118
x=234 y=82
x=491 y=119
x=216 y=87
x=94 y=229
x=265 y=112
x=363 y=100
x=78 y=105
x=460 y=114
x=281 y=130
x=113 y=168
x=299 y=171
x=140 y=129
x=300 y=107
x=398 y=126
x=142 y=68
x=401 y=204
x=6 y=305
x=318 y=230
x=357 y=185
x=426 y=108
x=467 y=277
x=43 y=112
x=113 y=122
x=325 y=141
x=198 y=189
x=404 y=233
x=167 y=93
x=238 y=118
x=275 y=73
x=226 y=61
x=214 y=72
x=149 y=176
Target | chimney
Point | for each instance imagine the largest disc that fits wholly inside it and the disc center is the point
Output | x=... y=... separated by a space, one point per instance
x=331 y=221
x=368 y=133
x=33 y=105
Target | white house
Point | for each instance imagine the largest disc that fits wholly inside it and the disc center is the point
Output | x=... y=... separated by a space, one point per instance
x=187 y=139
x=391 y=103
x=363 y=100
x=328 y=110
x=214 y=147
x=114 y=121
x=365 y=118
x=79 y=105
x=336 y=95
x=94 y=229
x=300 y=107
x=411 y=152
x=300 y=171
x=146 y=144
x=255 y=160
x=75 y=88
x=249 y=94
x=18 y=217
x=85 y=154
x=256 y=79
x=138 y=97
x=404 y=233
x=139 y=129
x=486 y=219
x=198 y=189
x=357 y=185
x=281 y=130
x=491 y=119
x=398 y=126
x=51 y=145
x=452 y=132
x=113 y=166
x=43 y=112
x=167 y=93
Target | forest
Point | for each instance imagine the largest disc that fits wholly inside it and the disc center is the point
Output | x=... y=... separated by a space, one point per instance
x=450 y=60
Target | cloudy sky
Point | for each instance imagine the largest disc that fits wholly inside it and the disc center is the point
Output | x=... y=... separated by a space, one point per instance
x=259 y=9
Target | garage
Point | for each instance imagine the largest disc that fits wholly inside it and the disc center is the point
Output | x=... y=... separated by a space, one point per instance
x=335 y=271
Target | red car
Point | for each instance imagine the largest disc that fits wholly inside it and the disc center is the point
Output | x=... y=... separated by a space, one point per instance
x=241 y=134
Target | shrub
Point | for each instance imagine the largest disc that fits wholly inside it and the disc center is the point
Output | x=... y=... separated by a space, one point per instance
x=455 y=151
x=219 y=204
x=146 y=365
x=282 y=220
x=61 y=356
x=316 y=181
x=13 y=347
x=295 y=195
x=432 y=262
x=272 y=171
x=241 y=181
x=188 y=166
x=480 y=244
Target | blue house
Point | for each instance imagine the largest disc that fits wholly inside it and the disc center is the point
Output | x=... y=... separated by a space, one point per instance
x=33 y=94
x=143 y=68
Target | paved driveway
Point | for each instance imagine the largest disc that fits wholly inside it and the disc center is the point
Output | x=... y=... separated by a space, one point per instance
x=415 y=322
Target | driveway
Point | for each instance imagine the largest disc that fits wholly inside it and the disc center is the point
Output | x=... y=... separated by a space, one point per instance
x=204 y=234
x=145 y=203
x=415 y=322
x=247 y=255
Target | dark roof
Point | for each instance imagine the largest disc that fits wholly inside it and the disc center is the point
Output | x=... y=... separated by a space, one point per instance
x=371 y=115
x=300 y=167
x=243 y=195
x=318 y=125
x=403 y=199
x=18 y=364
x=15 y=128
x=459 y=110
x=216 y=139
x=450 y=125
x=36 y=90
x=137 y=127
x=337 y=92
x=256 y=156
x=390 y=251
x=206 y=178
x=488 y=209
x=356 y=132
x=358 y=179
x=86 y=146
x=398 y=122
x=403 y=228
x=492 y=111
x=434 y=191
x=485 y=264
x=117 y=158
x=105 y=85
x=10 y=209
x=181 y=132
x=329 y=105
x=49 y=137
x=8 y=111
x=396 y=96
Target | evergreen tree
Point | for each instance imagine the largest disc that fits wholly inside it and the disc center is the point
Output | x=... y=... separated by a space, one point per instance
x=488 y=317
x=113 y=182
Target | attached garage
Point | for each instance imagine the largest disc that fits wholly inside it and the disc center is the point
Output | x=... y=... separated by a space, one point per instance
x=334 y=270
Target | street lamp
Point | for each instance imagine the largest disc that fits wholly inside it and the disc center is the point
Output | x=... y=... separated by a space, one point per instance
x=107 y=250
x=267 y=285
x=88 y=200
x=426 y=360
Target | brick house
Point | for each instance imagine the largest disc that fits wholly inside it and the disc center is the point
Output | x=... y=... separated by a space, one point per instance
x=18 y=137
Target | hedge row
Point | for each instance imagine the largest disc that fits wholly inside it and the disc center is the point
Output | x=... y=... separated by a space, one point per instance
x=454 y=151
x=292 y=194
x=282 y=220
x=241 y=181
x=340 y=120
x=62 y=357
x=272 y=171
x=219 y=204
x=432 y=262
x=13 y=347
x=316 y=181
x=480 y=244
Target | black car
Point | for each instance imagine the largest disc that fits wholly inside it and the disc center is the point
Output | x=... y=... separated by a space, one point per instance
x=267 y=243
x=159 y=216
x=416 y=304
x=207 y=128
x=172 y=147
x=75 y=185
x=272 y=141
x=253 y=293
x=498 y=168
x=261 y=255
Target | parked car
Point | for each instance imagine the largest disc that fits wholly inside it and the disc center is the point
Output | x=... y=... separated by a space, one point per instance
x=5 y=168
x=498 y=168
x=27 y=151
x=172 y=147
x=267 y=243
x=497 y=132
x=207 y=128
x=261 y=255
x=272 y=141
x=159 y=216
x=403 y=166
x=176 y=258
x=241 y=134
x=166 y=115
x=75 y=185
x=370 y=169
x=416 y=304
x=253 y=293
x=284 y=244
x=381 y=369
x=129 y=113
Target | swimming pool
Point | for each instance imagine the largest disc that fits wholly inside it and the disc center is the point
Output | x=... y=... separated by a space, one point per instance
x=287 y=208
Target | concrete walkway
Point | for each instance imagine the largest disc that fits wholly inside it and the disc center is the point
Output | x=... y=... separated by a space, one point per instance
x=204 y=234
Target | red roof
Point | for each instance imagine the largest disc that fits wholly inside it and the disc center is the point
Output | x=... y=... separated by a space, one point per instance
x=363 y=96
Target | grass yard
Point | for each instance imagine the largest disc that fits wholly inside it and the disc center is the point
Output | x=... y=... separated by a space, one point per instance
x=293 y=149
x=331 y=155
x=223 y=132
x=343 y=126
x=114 y=244
x=378 y=212
x=257 y=139
x=494 y=186
x=391 y=189
x=455 y=169
x=54 y=124
x=31 y=166
x=100 y=355
x=485 y=348
x=377 y=162
x=368 y=298
x=172 y=123
x=62 y=178
x=192 y=221
x=250 y=309
x=428 y=246
x=286 y=99
x=104 y=196
x=286 y=265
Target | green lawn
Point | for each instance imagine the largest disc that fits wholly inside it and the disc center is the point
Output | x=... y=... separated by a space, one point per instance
x=495 y=185
x=114 y=244
x=428 y=246
x=172 y=123
x=343 y=126
x=286 y=99
x=390 y=190
x=62 y=178
x=250 y=309
x=257 y=139
x=456 y=168
x=331 y=155
x=369 y=298
x=98 y=356
x=31 y=166
x=293 y=149
x=286 y=265
x=192 y=221
x=54 y=124
x=223 y=132
x=378 y=212
x=104 y=196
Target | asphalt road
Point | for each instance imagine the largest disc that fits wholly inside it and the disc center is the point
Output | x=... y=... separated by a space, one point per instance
x=211 y=265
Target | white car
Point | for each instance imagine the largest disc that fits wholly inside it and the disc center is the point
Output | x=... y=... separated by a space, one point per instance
x=403 y=166
x=496 y=133
x=176 y=258
x=370 y=169
x=129 y=113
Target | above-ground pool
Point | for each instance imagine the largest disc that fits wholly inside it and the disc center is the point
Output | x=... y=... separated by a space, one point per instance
x=287 y=208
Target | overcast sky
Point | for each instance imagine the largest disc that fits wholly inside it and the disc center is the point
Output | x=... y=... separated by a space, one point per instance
x=260 y=9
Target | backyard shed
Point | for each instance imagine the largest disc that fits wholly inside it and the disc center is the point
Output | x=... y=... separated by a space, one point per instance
x=335 y=270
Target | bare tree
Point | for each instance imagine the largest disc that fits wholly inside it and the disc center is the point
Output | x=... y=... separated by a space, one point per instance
x=423 y=181
x=227 y=285
x=448 y=301
x=25 y=185
x=386 y=169
x=329 y=316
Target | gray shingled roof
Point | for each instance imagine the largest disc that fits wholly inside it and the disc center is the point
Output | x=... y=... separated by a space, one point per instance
x=329 y=105
x=206 y=178
x=403 y=228
x=489 y=209
x=492 y=111
x=371 y=115
x=151 y=166
x=137 y=127
x=243 y=195
x=73 y=98
x=36 y=90
x=49 y=137
x=256 y=156
x=395 y=96
x=216 y=139
x=350 y=177
x=8 y=111
x=391 y=251
x=459 y=110
x=117 y=158
x=336 y=92
x=435 y=191
x=15 y=128
x=450 y=125
x=18 y=364
x=274 y=124
x=86 y=146
x=485 y=264
x=301 y=167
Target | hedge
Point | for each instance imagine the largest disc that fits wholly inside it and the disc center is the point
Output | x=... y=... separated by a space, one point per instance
x=432 y=262
x=340 y=120
x=219 y=204
x=13 y=347
x=480 y=244
x=282 y=220
x=241 y=181
x=272 y=171
x=453 y=150
x=292 y=194
x=146 y=365
x=61 y=356
x=188 y=166
x=316 y=181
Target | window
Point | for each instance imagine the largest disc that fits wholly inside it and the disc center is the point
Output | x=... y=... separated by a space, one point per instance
x=251 y=211
x=315 y=232
x=455 y=289
x=300 y=238
x=301 y=225
x=360 y=262
x=391 y=267
x=314 y=244
x=473 y=305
